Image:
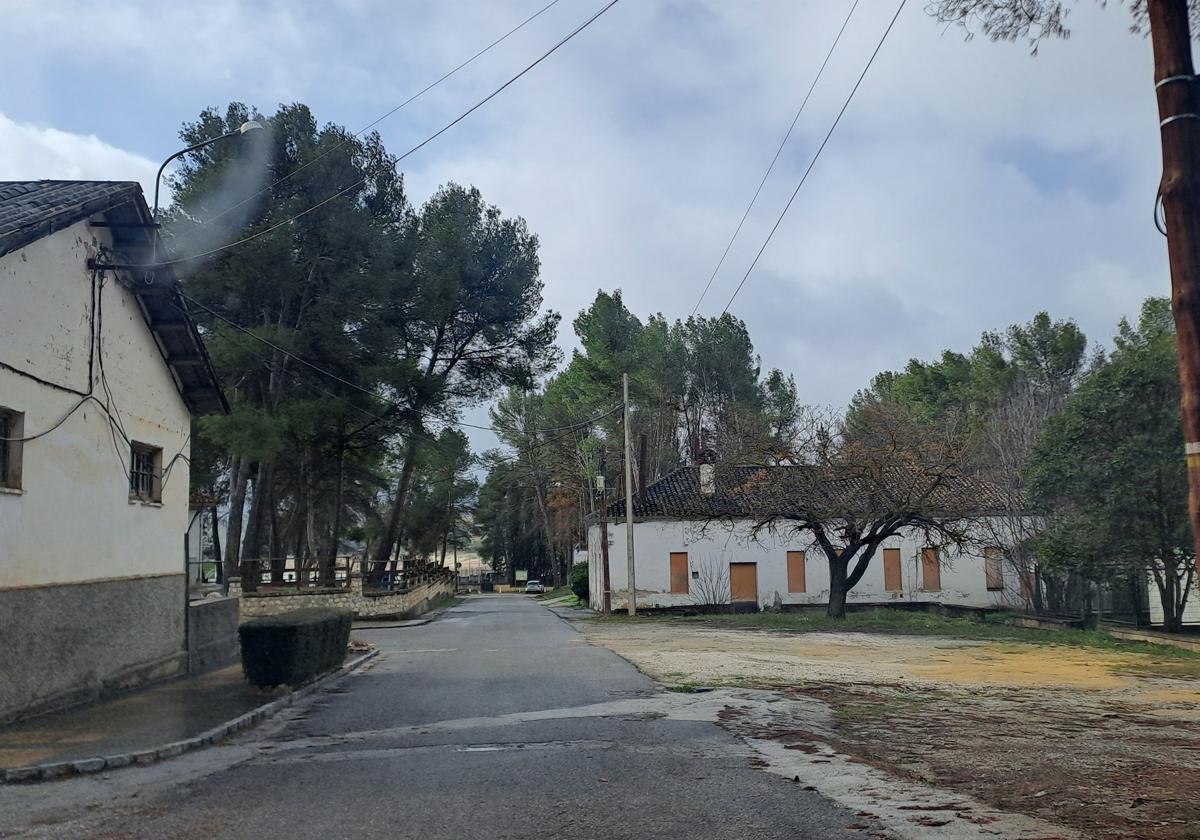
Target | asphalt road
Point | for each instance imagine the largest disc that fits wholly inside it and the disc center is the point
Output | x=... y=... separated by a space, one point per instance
x=497 y=720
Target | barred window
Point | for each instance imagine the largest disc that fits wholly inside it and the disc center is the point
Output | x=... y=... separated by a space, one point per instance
x=145 y=473
x=12 y=427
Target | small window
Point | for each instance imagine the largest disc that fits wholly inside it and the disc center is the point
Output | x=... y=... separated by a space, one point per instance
x=679 y=573
x=795 y=572
x=145 y=473
x=12 y=429
x=931 y=569
x=993 y=569
x=892 y=581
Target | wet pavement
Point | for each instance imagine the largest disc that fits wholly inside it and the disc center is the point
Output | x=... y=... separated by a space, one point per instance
x=141 y=720
x=497 y=720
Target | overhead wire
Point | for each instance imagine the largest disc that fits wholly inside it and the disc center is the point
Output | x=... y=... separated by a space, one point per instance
x=376 y=122
x=775 y=159
x=816 y=156
x=361 y=181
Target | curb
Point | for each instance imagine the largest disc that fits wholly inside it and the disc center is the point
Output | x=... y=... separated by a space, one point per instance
x=85 y=766
x=399 y=625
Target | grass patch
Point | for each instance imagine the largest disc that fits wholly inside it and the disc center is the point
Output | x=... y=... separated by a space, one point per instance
x=555 y=593
x=443 y=601
x=903 y=622
x=689 y=688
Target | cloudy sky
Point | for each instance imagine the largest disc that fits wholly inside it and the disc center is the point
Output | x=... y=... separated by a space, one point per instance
x=968 y=186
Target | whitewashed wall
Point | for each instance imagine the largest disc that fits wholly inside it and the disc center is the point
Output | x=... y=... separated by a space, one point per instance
x=1191 y=608
x=72 y=519
x=711 y=549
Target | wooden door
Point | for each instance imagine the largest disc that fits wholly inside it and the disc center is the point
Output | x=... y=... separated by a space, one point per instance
x=795 y=572
x=931 y=569
x=679 y=573
x=892 y=581
x=743 y=582
x=993 y=569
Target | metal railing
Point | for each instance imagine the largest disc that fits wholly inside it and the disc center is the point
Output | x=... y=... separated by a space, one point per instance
x=267 y=573
x=401 y=580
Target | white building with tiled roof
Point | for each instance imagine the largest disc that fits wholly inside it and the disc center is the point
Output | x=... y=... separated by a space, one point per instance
x=101 y=372
x=697 y=543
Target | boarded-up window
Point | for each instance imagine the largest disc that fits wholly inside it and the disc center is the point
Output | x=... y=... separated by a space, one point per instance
x=743 y=582
x=891 y=570
x=993 y=568
x=795 y=564
x=931 y=569
x=1026 y=579
x=679 y=573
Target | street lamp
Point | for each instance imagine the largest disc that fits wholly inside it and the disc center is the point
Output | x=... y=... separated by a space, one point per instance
x=244 y=128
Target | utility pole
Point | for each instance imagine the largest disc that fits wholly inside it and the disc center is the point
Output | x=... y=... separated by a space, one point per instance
x=629 y=499
x=1179 y=126
x=606 y=595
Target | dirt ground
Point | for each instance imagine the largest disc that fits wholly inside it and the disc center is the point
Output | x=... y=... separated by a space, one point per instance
x=1102 y=742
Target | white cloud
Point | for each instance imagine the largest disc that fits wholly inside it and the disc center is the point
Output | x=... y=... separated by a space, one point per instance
x=29 y=152
x=968 y=186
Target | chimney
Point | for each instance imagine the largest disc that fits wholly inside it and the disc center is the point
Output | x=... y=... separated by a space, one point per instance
x=708 y=484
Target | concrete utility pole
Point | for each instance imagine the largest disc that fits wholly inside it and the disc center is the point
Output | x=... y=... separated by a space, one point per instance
x=629 y=499
x=606 y=600
x=1179 y=124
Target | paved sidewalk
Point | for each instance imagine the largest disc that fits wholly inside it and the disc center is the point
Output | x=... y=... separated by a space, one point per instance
x=143 y=720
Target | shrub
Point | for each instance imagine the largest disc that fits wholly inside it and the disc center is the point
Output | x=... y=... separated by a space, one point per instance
x=293 y=647
x=579 y=581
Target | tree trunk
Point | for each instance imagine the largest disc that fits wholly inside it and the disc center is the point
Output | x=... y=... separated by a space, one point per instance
x=252 y=542
x=837 y=588
x=383 y=552
x=1172 y=620
x=240 y=477
x=216 y=538
x=328 y=570
x=546 y=530
x=1175 y=84
x=1035 y=590
x=1135 y=595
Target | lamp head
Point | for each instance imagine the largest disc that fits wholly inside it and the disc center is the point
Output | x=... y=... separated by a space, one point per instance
x=250 y=125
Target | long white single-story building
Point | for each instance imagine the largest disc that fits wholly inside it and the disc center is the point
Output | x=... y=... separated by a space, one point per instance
x=101 y=372
x=691 y=549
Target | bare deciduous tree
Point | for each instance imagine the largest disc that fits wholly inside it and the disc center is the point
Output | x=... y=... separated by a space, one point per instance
x=709 y=586
x=854 y=484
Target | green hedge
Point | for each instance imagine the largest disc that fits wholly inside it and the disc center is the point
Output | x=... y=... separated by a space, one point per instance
x=294 y=647
x=579 y=581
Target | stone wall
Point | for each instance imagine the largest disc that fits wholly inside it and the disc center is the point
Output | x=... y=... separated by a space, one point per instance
x=72 y=643
x=382 y=605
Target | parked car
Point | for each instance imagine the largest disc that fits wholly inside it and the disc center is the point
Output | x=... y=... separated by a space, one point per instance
x=534 y=587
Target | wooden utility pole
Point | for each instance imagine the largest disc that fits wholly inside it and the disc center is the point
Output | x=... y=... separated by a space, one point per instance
x=1179 y=125
x=629 y=499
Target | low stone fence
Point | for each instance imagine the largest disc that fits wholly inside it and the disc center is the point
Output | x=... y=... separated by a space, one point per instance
x=399 y=604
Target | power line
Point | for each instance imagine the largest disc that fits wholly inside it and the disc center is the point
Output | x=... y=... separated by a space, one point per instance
x=356 y=387
x=376 y=122
x=778 y=151
x=414 y=149
x=813 y=162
